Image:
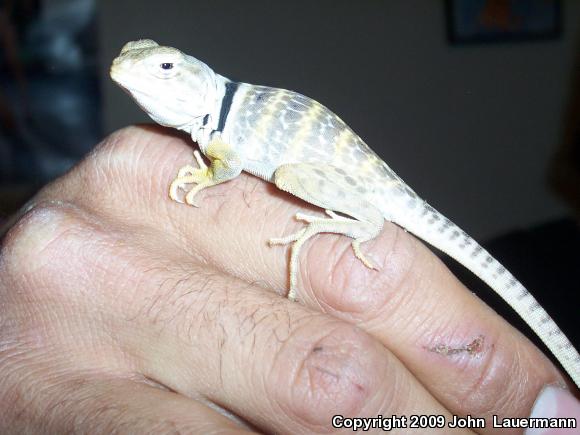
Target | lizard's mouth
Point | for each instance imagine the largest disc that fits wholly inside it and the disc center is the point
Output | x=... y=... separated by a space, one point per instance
x=141 y=98
x=116 y=74
x=120 y=74
x=118 y=78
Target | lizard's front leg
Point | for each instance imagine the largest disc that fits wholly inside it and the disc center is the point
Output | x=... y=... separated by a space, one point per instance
x=226 y=164
x=331 y=188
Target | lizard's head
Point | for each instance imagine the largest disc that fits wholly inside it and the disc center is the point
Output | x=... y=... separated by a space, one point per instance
x=175 y=89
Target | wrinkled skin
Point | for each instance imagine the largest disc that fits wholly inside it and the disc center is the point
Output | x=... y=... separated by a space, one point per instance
x=124 y=312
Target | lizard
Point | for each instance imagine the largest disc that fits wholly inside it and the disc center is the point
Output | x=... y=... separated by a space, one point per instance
x=305 y=149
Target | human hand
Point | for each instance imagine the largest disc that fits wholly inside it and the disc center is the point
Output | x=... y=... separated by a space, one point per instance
x=124 y=312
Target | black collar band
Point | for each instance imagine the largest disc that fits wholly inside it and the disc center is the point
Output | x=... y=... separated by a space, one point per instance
x=231 y=88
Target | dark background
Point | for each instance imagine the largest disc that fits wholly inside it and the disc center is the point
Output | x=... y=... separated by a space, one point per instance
x=479 y=130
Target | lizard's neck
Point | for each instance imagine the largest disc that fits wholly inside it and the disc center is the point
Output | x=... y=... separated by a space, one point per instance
x=205 y=125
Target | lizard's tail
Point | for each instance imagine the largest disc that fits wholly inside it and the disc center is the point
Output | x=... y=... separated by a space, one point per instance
x=428 y=224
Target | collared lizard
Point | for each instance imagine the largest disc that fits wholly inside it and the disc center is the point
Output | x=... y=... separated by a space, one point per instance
x=305 y=149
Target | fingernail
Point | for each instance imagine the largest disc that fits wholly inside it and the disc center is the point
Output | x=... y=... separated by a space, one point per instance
x=554 y=403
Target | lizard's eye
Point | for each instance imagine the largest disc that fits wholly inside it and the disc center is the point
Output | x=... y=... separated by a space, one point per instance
x=166 y=65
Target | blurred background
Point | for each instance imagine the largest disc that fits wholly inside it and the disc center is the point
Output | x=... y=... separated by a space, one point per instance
x=475 y=103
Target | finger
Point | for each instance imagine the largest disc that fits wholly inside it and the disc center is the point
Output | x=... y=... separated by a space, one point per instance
x=283 y=367
x=95 y=404
x=113 y=297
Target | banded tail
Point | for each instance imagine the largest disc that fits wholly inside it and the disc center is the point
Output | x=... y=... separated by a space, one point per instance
x=431 y=226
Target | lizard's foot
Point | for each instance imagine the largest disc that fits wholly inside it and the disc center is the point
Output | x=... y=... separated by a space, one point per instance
x=304 y=218
x=316 y=225
x=190 y=175
x=348 y=221
x=190 y=170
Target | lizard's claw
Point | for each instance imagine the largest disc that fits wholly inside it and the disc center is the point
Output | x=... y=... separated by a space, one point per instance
x=173 y=188
x=358 y=254
x=194 y=191
x=288 y=239
x=190 y=175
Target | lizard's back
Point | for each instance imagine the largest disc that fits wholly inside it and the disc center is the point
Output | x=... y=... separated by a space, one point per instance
x=272 y=127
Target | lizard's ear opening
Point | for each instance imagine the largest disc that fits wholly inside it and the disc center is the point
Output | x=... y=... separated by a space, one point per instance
x=138 y=45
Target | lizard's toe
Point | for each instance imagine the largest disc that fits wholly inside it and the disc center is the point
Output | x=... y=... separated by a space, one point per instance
x=358 y=254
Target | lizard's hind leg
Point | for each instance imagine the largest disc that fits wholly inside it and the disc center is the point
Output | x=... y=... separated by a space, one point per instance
x=334 y=190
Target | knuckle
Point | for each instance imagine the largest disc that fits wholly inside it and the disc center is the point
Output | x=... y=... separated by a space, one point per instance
x=129 y=160
x=31 y=247
x=134 y=146
x=333 y=374
x=121 y=144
